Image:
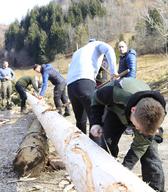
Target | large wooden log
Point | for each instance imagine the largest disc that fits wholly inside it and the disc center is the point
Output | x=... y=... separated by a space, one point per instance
x=32 y=154
x=89 y=166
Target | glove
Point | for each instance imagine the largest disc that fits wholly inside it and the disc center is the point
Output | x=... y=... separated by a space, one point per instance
x=159 y=135
x=96 y=131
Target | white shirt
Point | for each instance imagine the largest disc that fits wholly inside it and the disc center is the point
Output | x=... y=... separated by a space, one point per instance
x=87 y=61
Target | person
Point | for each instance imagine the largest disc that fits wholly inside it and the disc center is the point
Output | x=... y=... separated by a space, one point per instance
x=81 y=76
x=50 y=73
x=6 y=77
x=21 y=85
x=102 y=75
x=131 y=102
x=127 y=60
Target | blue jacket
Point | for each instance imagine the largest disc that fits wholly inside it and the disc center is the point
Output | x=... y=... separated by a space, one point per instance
x=6 y=72
x=128 y=61
x=50 y=73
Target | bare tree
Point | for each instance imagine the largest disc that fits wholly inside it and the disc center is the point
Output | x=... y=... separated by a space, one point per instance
x=161 y=26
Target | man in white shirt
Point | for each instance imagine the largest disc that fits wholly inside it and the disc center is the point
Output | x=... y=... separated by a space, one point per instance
x=81 y=77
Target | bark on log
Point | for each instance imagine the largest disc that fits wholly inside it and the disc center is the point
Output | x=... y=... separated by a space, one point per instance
x=90 y=167
x=32 y=154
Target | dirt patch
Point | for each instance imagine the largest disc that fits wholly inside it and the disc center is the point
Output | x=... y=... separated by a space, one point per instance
x=11 y=134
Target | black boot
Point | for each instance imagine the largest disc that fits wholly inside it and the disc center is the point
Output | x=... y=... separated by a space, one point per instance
x=67 y=111
x=59 y=110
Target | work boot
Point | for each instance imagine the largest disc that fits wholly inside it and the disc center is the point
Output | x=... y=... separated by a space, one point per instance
x=9 y=105
x=67 y=111
x=59 y=110
x=23 y=110
x=66 y=114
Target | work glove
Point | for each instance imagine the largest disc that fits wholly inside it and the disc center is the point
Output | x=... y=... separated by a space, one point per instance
x=159 y=135
x=96 y=131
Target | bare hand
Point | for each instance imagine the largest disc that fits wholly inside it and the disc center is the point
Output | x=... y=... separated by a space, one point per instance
x=115 y=76
x=7 y=77
x=96 y=131
x=40 y=97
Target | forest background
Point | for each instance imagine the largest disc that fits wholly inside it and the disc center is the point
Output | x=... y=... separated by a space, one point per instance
x=61 y=27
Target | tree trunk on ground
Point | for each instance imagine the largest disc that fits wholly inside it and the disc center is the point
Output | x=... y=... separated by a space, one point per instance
x=89 y=166
x=32 y=154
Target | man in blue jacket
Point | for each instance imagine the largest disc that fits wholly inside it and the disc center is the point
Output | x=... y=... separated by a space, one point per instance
x=51 y=74
x=127 y=60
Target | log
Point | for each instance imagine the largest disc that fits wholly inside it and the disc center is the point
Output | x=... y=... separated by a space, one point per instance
x=90 y=167
x=32 y=155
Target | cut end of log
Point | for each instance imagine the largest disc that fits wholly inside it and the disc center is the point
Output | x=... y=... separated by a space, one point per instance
x=32 y=155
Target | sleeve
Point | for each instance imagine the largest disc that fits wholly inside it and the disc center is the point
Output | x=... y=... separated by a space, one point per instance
x=108 y=51
x=12 y=74
x=1 y=75
x=131 y=64
x=130 y=159
x=44 y=84
x=101 y=98
x=34 y=85
x=138 y=148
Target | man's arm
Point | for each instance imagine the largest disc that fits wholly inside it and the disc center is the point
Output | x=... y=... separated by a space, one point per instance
x=101 y=98
x=131 y=64
x=12 y=75
x=1 y=75
x=108 y=51
x=34 y=85
x=44 y=84
x=138 y=148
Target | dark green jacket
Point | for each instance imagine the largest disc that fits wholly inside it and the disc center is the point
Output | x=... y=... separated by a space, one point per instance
x=120 y=97
x=115 y=97
x=26 y=81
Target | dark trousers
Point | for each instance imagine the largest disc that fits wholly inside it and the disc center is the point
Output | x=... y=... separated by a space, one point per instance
x=22 y=93
x=113 y=129
x=152 y=170
x=151 y=166
x=80 y=94
x=61 y=97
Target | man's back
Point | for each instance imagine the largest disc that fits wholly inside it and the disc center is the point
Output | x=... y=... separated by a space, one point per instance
x=87 y=60
x=52 y=74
